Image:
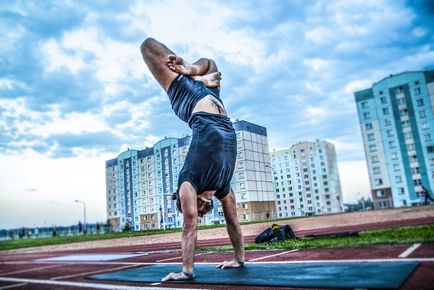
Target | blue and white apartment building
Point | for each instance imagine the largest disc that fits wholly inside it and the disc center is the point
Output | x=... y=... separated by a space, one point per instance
x=140 y=183
x=396 y=119
x=306 y=179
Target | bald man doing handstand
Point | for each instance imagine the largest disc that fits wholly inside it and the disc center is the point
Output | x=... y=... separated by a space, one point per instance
x=193 y=91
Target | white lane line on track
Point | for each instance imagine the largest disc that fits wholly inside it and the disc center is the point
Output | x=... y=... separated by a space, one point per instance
x=81 y=284
x=269 y=262
x=274 y=255
x=410 y=250
x=155 y=284
x=13 y=286
x=28 y=270
x=91 y=272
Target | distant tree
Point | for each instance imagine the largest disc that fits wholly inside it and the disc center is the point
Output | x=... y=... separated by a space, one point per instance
x=21 y=233
x=80 y=227
x=11 y=234
x=127 y=228
x=108 y=225
x=98 y=228
x=54 y=232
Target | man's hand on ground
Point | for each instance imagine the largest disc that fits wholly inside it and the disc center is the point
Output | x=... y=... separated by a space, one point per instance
x=176 y=276
x=228 y=264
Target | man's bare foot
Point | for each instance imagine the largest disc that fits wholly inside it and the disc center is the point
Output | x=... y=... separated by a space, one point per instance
x=179 y=65
x=211 y=80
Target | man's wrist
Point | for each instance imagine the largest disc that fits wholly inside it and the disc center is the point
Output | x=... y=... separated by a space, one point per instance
x=239 y=261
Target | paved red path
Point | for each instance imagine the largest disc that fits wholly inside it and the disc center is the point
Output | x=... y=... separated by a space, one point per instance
x=27 y=266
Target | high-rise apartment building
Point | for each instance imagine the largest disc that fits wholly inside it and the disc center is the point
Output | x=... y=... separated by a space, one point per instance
x=397 y=124
x=306 y=179
x=140 y=183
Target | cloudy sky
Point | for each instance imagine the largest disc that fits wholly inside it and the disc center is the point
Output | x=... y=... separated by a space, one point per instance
x=74 y=90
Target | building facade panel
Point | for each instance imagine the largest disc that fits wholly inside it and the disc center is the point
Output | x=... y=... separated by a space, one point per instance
x=306 y=179
x=402 y=107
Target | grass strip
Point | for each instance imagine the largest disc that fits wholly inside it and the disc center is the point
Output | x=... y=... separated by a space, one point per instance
x=400 y=235
x=36 y=242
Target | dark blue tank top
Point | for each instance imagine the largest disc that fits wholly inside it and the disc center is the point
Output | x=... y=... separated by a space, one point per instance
x=184 y=93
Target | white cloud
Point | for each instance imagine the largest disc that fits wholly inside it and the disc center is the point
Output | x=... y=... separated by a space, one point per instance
x=354 y=180
x=316 y=64
x=356 y=85
x=57 y=58
x=111 y=61
x=419 y=32
x=43 y=124
x=316 y=112
x=319 y=35
x=10 y=84
x=192 y=25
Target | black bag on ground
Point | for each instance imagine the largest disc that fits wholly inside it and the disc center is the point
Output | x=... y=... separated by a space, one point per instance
x=275 y=233
x=289 y=233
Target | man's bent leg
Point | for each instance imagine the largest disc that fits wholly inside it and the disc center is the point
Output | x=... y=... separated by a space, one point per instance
x=155 y=55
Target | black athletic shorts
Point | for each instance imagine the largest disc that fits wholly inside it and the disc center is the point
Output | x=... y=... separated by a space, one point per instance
x=210 y=161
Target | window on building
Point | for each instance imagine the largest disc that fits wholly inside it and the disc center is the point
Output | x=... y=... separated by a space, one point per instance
x=417 y=182
x=390 y=133
x=419 y=102
x=376 y=170
x=383 y=100
x=387 y=122
x=408 y=135
x=379 y=193
x=378 y=181
x=372 y=148
x=422 y=114
x=366 y=115
x=417 y=91
x=385 y=111
x=398 y=179
x=368 y=126
x=374 y=159
x=365 y=105
x=401 y=101
x=430 y=149
x=371 y=137
x=427 y=137
x=413 y=158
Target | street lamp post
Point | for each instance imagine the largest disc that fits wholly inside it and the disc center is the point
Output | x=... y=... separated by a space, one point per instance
x=362 y=199
x=274 y=185
x=84 y=212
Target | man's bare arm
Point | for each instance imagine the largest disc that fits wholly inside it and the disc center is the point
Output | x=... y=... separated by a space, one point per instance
x=189 y=232
x=234 y=230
